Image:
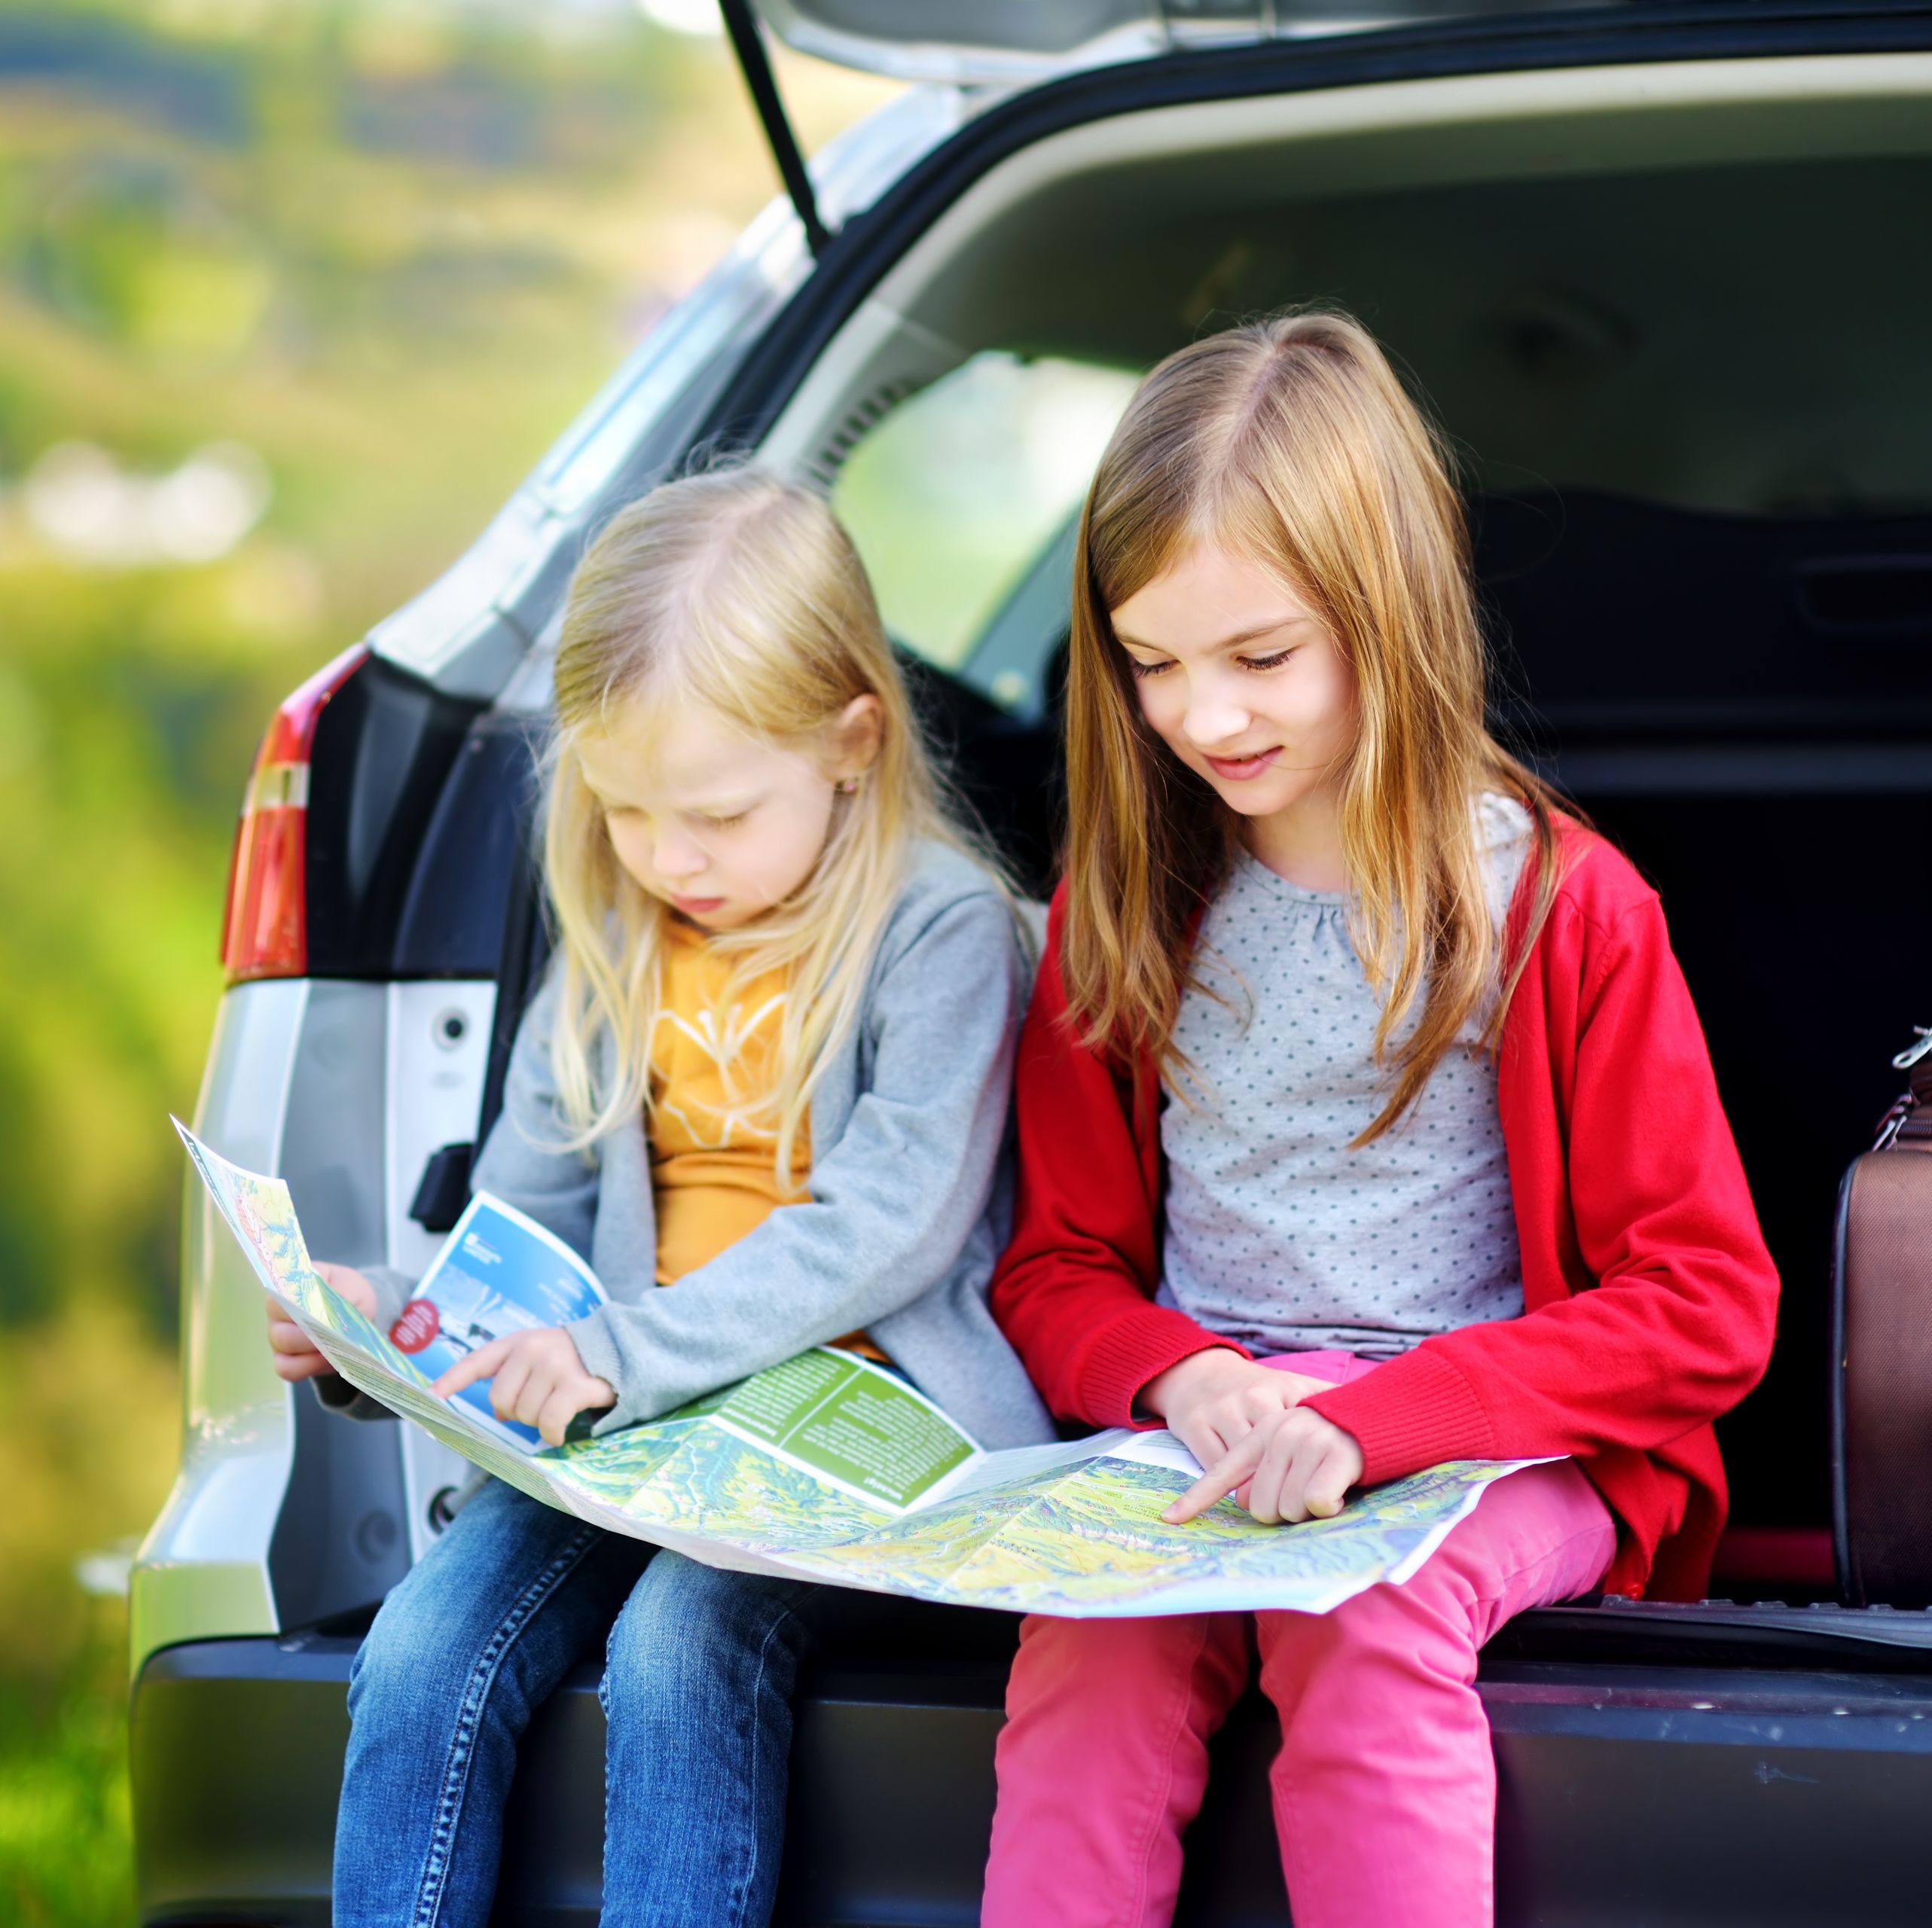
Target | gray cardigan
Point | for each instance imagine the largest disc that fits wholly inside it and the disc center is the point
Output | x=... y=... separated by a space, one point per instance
x=909 y=1198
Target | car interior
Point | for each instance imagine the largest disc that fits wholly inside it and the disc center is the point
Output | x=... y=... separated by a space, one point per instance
x=1679 y=370
x=1701 y=499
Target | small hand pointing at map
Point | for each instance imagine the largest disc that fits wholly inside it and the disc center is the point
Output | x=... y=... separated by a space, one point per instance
x=538 y=1380
x=1294 y=1465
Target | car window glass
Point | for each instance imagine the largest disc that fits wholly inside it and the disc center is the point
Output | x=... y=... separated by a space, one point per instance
x=960 y=501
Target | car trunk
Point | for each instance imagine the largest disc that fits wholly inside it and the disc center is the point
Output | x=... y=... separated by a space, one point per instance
x=1676 y=353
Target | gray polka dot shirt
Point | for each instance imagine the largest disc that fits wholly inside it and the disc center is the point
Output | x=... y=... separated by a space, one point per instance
x=1277 y=1234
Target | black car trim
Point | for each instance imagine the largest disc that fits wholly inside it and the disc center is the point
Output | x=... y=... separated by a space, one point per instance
x=755 y=63
x=868 y=244
x=1627 y=1793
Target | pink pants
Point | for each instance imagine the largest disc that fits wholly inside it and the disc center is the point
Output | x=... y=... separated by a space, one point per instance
x=1385 y=1791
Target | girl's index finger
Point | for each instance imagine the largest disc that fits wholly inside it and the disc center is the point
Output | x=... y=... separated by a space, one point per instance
x=482 y=1363
x=1220 y=1480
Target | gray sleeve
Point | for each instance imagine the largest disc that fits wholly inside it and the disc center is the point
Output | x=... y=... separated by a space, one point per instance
x=892 y=1203
x=521 y=1161
x=518 y=1162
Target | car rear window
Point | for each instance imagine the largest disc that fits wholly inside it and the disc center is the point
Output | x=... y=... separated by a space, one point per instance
x=961 y=489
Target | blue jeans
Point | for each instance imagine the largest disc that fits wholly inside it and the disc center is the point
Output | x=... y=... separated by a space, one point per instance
x=697 y=1692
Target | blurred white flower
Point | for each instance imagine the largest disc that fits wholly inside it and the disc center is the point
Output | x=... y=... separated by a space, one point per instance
x=209 y=503
x=81 y=501
x=107 y=1571
x=78 y=498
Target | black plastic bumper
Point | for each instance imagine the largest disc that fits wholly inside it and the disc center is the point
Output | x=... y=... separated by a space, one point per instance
x=1713 y=1777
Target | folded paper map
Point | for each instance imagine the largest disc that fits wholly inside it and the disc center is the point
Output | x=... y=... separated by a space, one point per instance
x=828 y=1467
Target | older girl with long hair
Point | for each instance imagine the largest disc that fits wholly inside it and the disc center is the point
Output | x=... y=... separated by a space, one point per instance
x=1365 y=1123
x=764 y=1090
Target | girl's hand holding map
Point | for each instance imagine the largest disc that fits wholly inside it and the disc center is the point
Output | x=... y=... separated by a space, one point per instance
x=296 y=1357
x=538 y=1380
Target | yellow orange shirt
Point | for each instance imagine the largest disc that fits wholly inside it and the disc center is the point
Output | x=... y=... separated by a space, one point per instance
x=714 y=1169
x=713 y=1136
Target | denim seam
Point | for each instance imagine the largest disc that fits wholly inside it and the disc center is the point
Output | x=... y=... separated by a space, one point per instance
x=741 y=1892
x=469 y=1717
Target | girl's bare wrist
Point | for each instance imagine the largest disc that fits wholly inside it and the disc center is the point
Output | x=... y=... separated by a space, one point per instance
x=1185 y=1377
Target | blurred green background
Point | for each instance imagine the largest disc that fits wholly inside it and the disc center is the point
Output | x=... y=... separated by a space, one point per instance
x=291 y=293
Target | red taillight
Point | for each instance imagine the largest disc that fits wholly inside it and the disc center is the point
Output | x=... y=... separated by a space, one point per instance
x=265 y=931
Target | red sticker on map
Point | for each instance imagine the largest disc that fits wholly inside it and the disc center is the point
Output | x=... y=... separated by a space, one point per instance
x=415 y=1326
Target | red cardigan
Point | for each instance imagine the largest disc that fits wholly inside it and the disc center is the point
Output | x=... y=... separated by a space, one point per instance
x=1649 y=1299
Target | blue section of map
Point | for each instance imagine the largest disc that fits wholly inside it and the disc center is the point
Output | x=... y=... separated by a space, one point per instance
x=496 y=1275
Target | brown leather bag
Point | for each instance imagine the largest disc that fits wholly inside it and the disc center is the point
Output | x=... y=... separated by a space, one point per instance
x=1882 y=1344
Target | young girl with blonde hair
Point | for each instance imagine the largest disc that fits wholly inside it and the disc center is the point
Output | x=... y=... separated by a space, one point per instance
x=1365 y=1123
x=763 y=1090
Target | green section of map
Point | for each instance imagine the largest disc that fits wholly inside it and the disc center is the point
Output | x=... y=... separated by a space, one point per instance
x=833 y=1470
x=863 y=1428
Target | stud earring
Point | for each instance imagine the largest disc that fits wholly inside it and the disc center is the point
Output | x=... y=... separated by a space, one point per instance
x=849 y=787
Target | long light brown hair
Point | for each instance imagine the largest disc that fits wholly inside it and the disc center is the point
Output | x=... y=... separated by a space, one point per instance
x=740 y=592
x=1290 y=443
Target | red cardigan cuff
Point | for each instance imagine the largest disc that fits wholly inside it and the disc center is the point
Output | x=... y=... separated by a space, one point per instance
x=1416 y=1411
x=1132 y=1348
